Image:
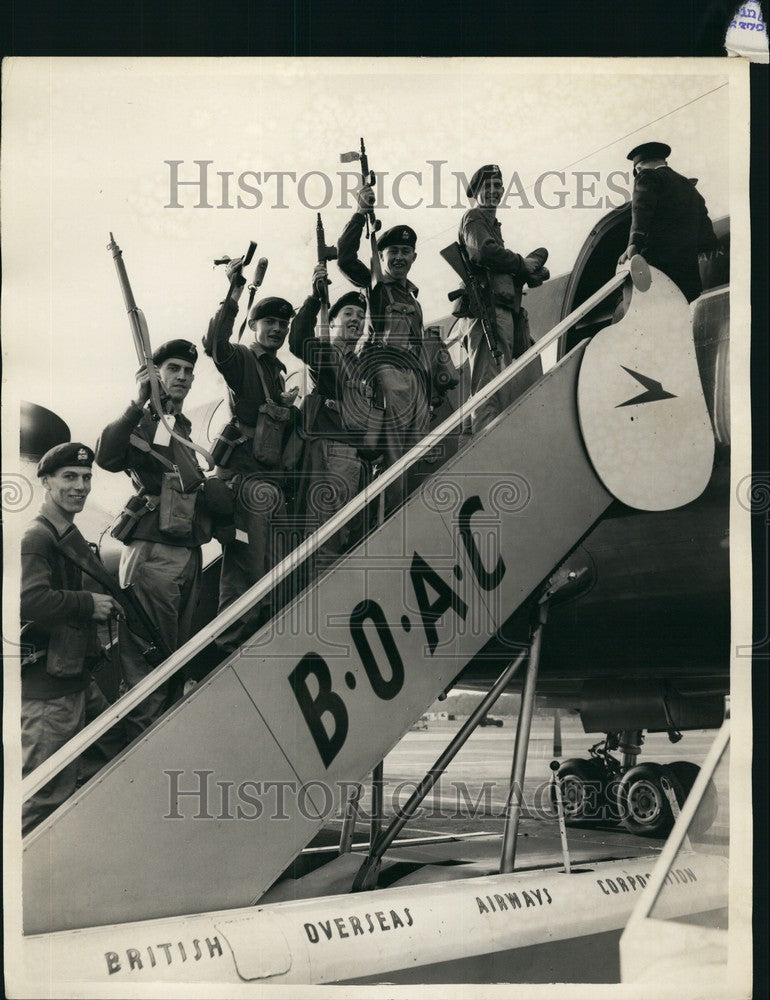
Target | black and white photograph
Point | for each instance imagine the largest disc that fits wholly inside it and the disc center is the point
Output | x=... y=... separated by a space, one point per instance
x=377 y=498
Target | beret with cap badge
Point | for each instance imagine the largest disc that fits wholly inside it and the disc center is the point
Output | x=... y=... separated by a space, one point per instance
x=72 y=453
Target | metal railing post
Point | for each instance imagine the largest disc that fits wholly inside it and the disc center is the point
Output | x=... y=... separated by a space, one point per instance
x=367 y=874
x=516 y=799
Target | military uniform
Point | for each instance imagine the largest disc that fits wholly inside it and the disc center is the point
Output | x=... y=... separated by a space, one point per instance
x=504 y=276
x=60 y=647
x=393 y=357
x=332 y=470
x=163 y=569
x=255 y=378
x=670 y=224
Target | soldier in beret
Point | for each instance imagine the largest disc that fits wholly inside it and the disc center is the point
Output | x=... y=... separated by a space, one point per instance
x=249 y=451
x=503 y=275
x=161 y=557
x=60 y=645
x=670 y=224
x=394 y=353
x=332 y=468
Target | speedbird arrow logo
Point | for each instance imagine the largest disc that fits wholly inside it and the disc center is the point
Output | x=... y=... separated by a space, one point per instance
x=655 y=390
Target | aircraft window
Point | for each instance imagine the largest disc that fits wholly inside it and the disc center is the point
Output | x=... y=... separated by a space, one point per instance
x=700 y=862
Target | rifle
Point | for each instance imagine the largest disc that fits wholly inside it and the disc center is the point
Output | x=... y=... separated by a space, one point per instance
x=457 y=257
x=373 y=224
x=80 y=553
x=141 y=337
x=324 y=253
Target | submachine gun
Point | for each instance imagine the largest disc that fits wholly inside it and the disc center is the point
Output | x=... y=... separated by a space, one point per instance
x=324 y=254
x=373 y=224
x=477 y=291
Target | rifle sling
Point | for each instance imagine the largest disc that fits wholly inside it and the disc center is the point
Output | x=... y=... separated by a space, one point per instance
x=89 y=563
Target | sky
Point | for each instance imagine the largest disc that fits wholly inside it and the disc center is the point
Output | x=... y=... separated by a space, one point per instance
x=87 y=143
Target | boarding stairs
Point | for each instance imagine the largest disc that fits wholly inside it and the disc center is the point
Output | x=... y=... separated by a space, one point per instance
x=208 y=807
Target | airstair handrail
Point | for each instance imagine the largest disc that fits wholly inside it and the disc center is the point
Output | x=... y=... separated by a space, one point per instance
x=120 y=708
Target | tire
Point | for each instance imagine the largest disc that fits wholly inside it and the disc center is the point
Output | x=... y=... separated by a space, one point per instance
x=685 y=773
x=583 y=790
x=644 y=808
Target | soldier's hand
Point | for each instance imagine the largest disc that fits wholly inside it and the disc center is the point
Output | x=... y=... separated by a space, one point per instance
x=289 y=396
x=628 y=253
x=143 y=387
x=105 y=607
x=531 y=265
x=320 y=280
x=537 y=279
x=366 y=198
x=233 y=268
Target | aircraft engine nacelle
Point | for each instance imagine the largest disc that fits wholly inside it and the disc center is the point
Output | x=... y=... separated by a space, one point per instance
x=609 y=705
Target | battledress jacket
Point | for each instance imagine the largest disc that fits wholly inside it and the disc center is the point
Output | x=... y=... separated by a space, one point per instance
x=52 y=597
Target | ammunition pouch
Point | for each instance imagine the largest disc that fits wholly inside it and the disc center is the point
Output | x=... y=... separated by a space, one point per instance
x=72 y=648
x=218 y=499
x=437 y=360
x=270 y=432
x=227 y=441
x=126 y=523
x=177 y=508
x=303 y=430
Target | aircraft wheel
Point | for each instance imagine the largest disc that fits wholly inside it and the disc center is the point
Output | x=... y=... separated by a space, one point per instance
x=644 y=808
x=686 y=772
x=582 y=789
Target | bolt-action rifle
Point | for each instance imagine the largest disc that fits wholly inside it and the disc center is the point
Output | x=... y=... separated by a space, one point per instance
x=324 y=254
x=141 y=337
x=373 y=224
x=457 y=257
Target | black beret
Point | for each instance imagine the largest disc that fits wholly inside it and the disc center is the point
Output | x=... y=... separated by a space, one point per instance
x=181 y=349
x=271 y=306
x=649 y=151
x=70 y=454
x=348 y=299
x=402 y=236
x=488 y=170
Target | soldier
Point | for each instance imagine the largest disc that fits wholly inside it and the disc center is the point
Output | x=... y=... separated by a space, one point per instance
x=249 y=450
x=59 y=695
x=670 y=224
x=169 y=520
x=394 y=356
x=504 y=274
x=332 y=470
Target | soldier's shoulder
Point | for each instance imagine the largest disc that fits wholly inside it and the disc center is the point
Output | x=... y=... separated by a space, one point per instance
x=37 y=537
x=473 y=214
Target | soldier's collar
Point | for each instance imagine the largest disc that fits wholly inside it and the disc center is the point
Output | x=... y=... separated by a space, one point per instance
x=169 y=415
x=388 y=279
x=269 y=358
